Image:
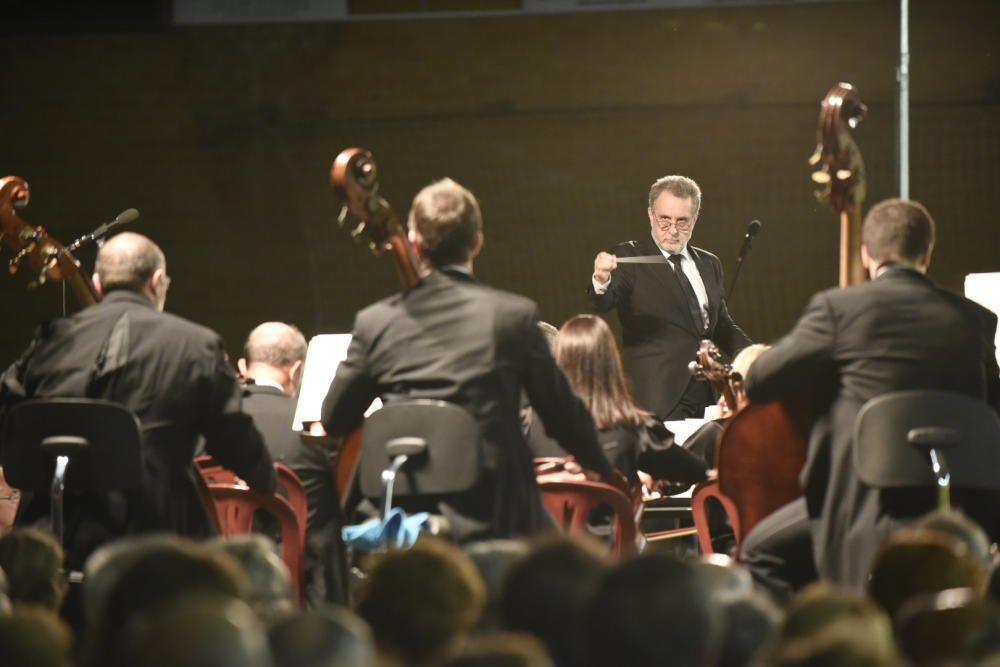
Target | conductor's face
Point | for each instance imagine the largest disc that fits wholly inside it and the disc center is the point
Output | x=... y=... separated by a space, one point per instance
x=671 y=221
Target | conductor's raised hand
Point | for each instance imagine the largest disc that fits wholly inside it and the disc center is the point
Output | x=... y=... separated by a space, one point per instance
x=604 y=264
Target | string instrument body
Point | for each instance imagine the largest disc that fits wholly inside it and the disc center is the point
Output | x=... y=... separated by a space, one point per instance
x=762 y=447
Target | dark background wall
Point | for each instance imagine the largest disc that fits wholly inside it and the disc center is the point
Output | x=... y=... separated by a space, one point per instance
x=223 y=137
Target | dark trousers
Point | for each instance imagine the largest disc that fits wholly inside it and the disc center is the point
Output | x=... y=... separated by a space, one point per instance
x=778 y=551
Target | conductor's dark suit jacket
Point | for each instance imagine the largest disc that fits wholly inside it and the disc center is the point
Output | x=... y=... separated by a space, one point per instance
x=454 y=339
x=659 y=336
x=324 y=568
x=173 y=375
x=898 y=332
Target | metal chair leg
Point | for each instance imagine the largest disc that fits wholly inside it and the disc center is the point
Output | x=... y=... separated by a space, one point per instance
x=943 y=474
x=58 y=487
x=388 y=481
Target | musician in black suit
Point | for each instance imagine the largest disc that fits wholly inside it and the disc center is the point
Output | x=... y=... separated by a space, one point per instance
x=452 y=338
x=274 y=356
x=666 y=308
x=899 y=331
x=173 y=374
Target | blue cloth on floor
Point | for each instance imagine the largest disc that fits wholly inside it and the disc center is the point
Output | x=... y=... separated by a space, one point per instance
x=396 y=530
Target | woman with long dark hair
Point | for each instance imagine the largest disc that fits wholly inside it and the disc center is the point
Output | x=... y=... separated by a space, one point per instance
x=632 y=438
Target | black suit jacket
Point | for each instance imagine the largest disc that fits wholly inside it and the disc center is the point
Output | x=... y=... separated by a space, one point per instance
x=324 y=571
x=454 y=339
x=899 y=332
x=659 y=336
x=173 y=375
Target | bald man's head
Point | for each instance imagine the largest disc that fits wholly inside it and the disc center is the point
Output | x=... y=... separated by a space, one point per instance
x=274 y=351
x=130 y=261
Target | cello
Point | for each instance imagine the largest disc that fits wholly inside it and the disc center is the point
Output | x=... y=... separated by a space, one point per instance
x=354 y=177
x=758 y=455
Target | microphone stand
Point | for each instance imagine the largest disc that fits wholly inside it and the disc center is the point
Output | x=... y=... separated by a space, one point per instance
x=739 y=263
x=96 y=236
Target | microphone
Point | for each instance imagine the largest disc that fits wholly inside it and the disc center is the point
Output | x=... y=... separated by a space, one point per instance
x=752 y=230
x=125 y=217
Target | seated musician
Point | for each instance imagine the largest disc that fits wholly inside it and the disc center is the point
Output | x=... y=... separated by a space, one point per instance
x=274 y=356
x=454 y=339
x=899 y=331
x=633 y=440
x=172 y=373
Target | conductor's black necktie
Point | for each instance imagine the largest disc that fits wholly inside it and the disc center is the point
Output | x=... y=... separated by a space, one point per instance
x=693 y=304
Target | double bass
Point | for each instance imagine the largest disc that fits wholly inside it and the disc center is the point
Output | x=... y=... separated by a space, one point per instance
x=763 y=447
x=354 y=177
x=47 y=260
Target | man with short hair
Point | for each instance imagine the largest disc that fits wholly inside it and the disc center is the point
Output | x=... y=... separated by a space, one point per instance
x=899 y=331
x=172 y=373
x=274 y=356
x=454 y=339
x=667 y=304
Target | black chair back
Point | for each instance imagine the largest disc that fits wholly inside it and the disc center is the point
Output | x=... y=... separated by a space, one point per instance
x=451 y=462
x=893 y=431
x=111 y=460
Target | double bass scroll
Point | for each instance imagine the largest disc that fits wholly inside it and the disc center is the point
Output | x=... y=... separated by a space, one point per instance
x=840 y=173
x=354 y=177
x=33 y=248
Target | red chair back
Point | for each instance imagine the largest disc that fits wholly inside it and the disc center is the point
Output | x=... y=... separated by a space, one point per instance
x=295 y=493
x=215 y=473
x=569 y=499
x=236 y=506
x=699 y=498
x=288 y=481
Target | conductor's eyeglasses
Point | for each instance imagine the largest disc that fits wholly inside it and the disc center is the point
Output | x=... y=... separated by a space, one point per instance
x=679 y=225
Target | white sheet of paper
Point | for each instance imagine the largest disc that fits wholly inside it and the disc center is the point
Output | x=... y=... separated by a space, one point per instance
x=683 y=428
x=324 y=354
x=984 y=289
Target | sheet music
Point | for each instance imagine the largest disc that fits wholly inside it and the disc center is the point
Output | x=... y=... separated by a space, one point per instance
x=324 y=354
x=683 y=428
x=984 y=289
